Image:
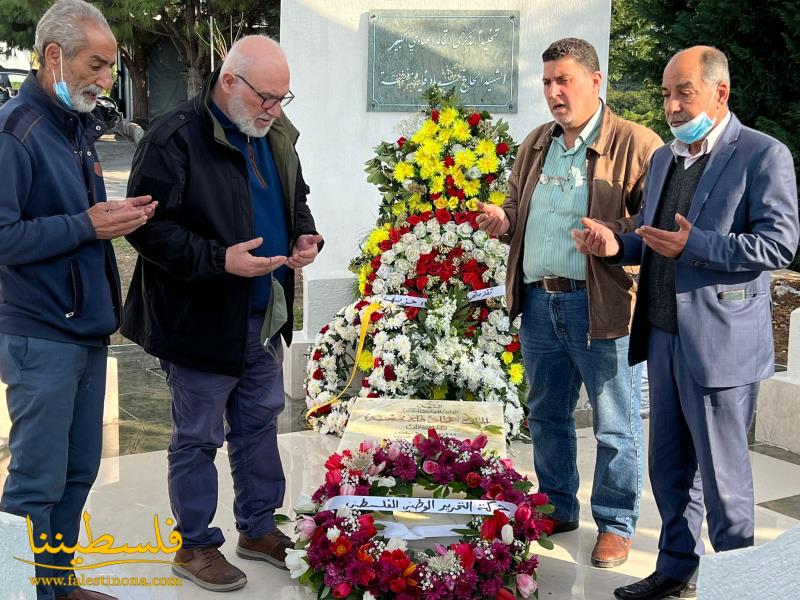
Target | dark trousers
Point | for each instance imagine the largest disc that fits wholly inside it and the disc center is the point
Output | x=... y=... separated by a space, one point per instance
x=698 y=458
x=55 y=401
x=208 y=408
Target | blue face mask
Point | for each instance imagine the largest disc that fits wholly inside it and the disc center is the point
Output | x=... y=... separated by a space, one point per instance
x=696 y=129
x=60 y=87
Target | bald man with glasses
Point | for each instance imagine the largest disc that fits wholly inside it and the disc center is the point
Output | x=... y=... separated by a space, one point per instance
x=210 y=297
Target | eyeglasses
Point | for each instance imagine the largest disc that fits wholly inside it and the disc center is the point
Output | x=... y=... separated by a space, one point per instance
x=269 y=101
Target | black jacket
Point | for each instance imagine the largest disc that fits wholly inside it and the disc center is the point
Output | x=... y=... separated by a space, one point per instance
x=182 y=306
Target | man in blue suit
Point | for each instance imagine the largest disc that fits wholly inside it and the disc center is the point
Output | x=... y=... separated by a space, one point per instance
x=720 y=212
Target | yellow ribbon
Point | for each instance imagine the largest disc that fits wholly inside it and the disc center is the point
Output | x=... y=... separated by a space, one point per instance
x=362 y=337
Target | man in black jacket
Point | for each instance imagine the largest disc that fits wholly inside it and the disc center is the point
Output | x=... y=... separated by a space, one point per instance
x=210 y=293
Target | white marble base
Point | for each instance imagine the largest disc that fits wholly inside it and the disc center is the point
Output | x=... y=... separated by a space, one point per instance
x=15 y=575
x=294 y=365
x=770 y=571
x=131 y=489
x=778 y=413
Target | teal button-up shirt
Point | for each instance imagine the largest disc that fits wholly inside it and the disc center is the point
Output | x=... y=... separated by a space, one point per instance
x=560 y=199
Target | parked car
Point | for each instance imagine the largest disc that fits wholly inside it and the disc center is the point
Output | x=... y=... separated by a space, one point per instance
x=10 y=82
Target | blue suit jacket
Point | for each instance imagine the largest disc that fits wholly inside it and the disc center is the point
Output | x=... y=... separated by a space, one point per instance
x=745 y=223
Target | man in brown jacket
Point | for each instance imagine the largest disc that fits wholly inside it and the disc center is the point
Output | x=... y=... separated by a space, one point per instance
x=575 y=309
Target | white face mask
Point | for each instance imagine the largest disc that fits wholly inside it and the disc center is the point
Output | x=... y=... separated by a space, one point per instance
x=696 y=129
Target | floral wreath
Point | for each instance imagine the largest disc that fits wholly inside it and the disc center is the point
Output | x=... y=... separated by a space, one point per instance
x=439 y=353
x=342 y=554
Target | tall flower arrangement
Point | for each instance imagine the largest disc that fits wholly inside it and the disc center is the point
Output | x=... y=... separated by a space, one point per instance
x=427 y=253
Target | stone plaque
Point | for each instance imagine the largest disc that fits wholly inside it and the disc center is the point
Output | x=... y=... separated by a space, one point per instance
x=474 y=52
x=378 y=419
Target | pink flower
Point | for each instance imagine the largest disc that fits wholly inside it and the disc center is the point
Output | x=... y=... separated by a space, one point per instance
x=342 y=590
x=430 y=467
x=375 y=469
x=507 y=463
x=347 y=489
x=393 y=452
x=523 y=514
x=306 y=527
x=526 y=585
x=368 y=445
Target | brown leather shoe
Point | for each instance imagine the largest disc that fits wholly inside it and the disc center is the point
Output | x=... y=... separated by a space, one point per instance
x=270 y=548
x=208 y=568
x=610 y=550
x=82 y=594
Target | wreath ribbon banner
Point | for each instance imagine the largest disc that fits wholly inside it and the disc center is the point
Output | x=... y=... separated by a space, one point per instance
x=419 y=302
x=420 y=505
x=362 y=337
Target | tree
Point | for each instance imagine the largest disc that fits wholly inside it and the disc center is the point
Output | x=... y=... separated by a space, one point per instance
x=138 y=23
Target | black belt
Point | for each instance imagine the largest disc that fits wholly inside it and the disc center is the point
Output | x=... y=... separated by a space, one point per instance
x=559 y=284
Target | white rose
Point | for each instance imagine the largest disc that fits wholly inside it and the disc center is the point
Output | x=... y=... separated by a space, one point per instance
x=388 y=257
x=425 y=248
x=402 y=265
x=449 y=239
x=304 y=504
x=378 y=287
x=479 y=255
x=480 y=237
x=384 y=271
x=465 y=230
x=420 y=230
x=412 y=254
x=296 y=563
x=467 y=246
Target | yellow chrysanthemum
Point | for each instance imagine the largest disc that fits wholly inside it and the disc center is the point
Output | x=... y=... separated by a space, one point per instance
x=398 y=208
x=440 y=202
x=427 y=131
x=428 y=172
x=363 y=273
x=444 y=135
x=459 y=179
x=497 y=198
x=439 y=392
x=452 y=203
x=461 y=130
x=515 y=373
x=403 y=171
x=447 y=116
x=430 y=149
x=484 y=147
x=507 y=357
x=375 y=238
x=366 y=361
x=465 y=158
x=436 y=184
x=488 y=164
x=471 y=204
x=471 y=187
x=414 y=202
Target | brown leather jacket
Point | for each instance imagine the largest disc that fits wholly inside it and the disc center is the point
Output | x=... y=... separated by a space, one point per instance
x=616 y=165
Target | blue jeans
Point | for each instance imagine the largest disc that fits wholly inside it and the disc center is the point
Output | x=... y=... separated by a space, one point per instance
x=558 y=357
x=55 y=401
x=208 y=408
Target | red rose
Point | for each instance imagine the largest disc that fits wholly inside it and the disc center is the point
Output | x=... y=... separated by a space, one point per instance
x=375 y=317
x=465 y=553
x=436 y=196
x=375 y=263
x=461 y=217
x=421 y=282
x=513 y=346
x=368 y=289
x=490 y=178
x=318 y=375
x=398 y=585
x=443 y=216
x=411 y=312
x=388 y=373
x=474 y=119
x=455 y=253
x=448 y=161
x=377 y=362
x=372 y=395
x=545 y=525
x=342 y=590
x=394 y=235
x=385 y=245
x=401 y=141
x=334 y=461
x=435 y=115
x=501 y=148
x=539 y=499
x=361 y=304
x=460 y=194
x=426 y=216
x=492 y=526
x=317 y=354
x=473 y=479
x=449 y=180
